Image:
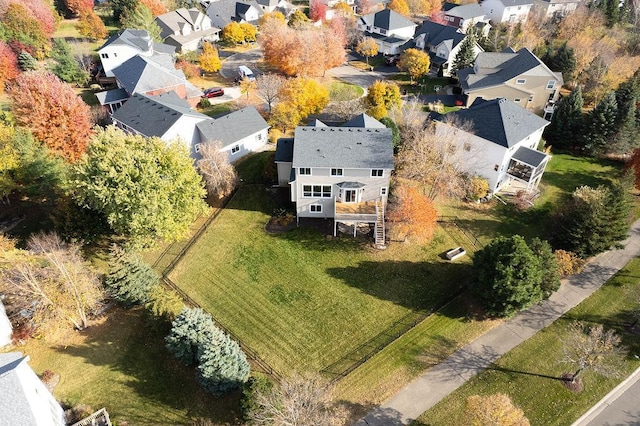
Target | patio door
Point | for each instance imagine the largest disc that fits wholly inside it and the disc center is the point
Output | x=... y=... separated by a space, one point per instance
x=350 y=195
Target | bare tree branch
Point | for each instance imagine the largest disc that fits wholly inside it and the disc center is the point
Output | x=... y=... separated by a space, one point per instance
x=220 y=177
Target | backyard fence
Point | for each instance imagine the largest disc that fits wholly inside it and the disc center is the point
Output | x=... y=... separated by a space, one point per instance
x=453 y=221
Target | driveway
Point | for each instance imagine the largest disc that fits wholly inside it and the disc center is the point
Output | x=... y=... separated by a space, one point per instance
x=249 y=58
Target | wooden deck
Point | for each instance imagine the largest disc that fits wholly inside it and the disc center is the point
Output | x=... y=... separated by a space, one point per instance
x=365 y=207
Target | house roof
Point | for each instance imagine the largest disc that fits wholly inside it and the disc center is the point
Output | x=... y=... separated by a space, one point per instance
x=15 y=408
x=223 y=12
x=529 y=156
x=364 y=121
x=507 y=65
x=466 y=11
x=317 y=123
x=510 y=3
x=435 y=33
x=499 y=121
x=138 y=39
x=154 y=115
x=284 y=150
x=344 y=147
x=388 y=40
x=142 y=74
x=388 y=19
x=112 y=96
x=172 y=23
x=232 y=127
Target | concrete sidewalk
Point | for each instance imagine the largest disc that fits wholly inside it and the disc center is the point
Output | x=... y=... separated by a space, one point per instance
x=439 y=381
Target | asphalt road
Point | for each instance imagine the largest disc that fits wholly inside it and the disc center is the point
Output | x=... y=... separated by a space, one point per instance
x=623 y=410
x=249 y=58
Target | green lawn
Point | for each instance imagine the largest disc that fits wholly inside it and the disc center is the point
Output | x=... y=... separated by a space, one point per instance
x=340 y=91
x=121 y=364
x=546 y=401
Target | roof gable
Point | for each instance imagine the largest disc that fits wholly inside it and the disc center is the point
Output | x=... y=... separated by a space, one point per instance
x=390 y=20
x=364 y=121
x=435 y=33
x=467 y=11
x=232 y=127
x=142 y=74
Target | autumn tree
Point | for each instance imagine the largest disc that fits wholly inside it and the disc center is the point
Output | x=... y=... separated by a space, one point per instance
x=423 y=7
x=415 y=62
x=399 y=6
x=73 y=8
x=146 y=188
x=140 y=18
x=220 y=177
x=51 y=282
x=9 y=160
x=232 y=33
x=209 y=59
x=66 y=67
x=493 y=410
x=592 y=348
x=343 y=9
x=268 y=18
x=249 y=32
x=298 y=20
x=19 y=26
x=304 y=96
x=156 y=7
x=412 y=214
x=381 y=97
x=364 y=7
x=90 y=25
x=8 y=65
x=367 y=48
x=53 y=112
x=317 y=10
x=268 y=87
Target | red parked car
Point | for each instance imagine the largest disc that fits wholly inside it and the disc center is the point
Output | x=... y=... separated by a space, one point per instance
x=213 y=92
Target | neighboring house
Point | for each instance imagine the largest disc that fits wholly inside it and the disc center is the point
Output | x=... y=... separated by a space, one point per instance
x=501 y=145
x=339 y=173
x=556 y=8
x=186 y=29
x=389 y=29
x=224 y=12
x=25 y=399
x=154 y=76
x=510 y=11
x=464 y=16
x=240 y=132
x=281 y=6
x=518 y=76
x=165 y=116
x=443 y=43
x=6 y=331
x=127 y=44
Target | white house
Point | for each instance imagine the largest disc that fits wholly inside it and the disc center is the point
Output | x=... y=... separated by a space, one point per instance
x=389 y=29
x=186 y=29
x=556 y=8
x=443 y=43
x=25 y=399
x=127 y=44
x=511 y=11
x=464 y=16
x=341 y=173
x=500 y=145
x=223 y=12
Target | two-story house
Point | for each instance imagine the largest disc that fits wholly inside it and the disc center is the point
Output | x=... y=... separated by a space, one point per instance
x=127 y=44
x=556 y=8
x=339 y=173
x=25 y=399
x=186 y=29
x=443 y=43
x=224 y=12
x=518 y=76
x=509 y=11
x=389 y=29
x=497 y=140
x=465 y=16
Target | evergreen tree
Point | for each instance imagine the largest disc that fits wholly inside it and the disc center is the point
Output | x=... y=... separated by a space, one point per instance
x=563 y=59
x=467 y=54
x=395 y=132
x=119 y=6
x=625 y=139
x=66 y=67
x=26 y=62
x=611 y=10
x=130 y=281
x=190 y=331
x=565 y=129
x=222 y=366
x=140 y=17
x=600 y=125
x=550 y=270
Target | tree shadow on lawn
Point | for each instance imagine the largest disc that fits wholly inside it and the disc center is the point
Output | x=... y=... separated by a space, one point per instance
x=415 y=285
x=140 y=354
x=568 y=181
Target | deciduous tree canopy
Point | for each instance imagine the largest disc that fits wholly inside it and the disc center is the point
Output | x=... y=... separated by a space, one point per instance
x=209 y=59
x=381 y=97
x=415 y=62
x=494 y=410
x=413 y=214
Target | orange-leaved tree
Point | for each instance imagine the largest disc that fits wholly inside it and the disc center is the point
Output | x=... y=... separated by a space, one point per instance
x=90 y=25
x=413 y=213
x=156 y=7
x=56 y=116
x=8 y=64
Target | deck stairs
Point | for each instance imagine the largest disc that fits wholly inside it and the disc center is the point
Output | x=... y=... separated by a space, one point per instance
x=379 y=228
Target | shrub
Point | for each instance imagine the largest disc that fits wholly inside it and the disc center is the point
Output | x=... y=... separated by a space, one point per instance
x=256 y=385
x=568 y=262
x=204 y=103
x=130 y=281
x=477 y=187
x=164 y=303
x=190 y=70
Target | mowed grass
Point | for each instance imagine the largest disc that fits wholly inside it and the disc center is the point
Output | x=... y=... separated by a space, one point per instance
x=545 y=400
x=121 y=363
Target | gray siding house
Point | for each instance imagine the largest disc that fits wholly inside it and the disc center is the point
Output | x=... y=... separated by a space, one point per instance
x=339 y=172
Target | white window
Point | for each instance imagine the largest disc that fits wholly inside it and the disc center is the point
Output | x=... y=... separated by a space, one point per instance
x=315 y=208
x=384 y=32
x=104 y=55
x=197 y=147
x=377 y=172
x=521 y=81
x=259 y=137
x=496 y=167
x=316 y=191
x=530 y=98
x=516 y=100
x=551 y=84
x=383 y=190
x=304 y=171
x=235 y=149
x=336 y=172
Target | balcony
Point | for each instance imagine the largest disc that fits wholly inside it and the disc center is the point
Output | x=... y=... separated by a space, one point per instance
x=548 y=110
x=527 y=165
x=364 y=211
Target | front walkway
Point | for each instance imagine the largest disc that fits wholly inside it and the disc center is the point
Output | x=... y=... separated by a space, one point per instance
x=439 y=381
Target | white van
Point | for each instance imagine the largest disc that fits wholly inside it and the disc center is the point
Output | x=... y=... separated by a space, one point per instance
x=245 y=72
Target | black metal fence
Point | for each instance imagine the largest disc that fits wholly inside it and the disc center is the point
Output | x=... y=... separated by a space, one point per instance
x=453 y=221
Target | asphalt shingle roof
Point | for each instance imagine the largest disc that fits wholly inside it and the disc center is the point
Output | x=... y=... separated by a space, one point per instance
x=284 y=150
x=15 y=409
x=509 y=65
x=511 y=3
x=172 y=23
x=435 y=33
x=344 y=147
x=223 y=12
x=389 y=20
x=529 y=156
x=139 y=39
x=154 y=115
x=112 y=96
x=364 y=121
x=466 y=11
x=499 y=121
x=232 y=127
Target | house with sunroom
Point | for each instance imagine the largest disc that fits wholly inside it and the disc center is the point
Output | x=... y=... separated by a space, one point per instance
x=496 y=140
x=339 y=173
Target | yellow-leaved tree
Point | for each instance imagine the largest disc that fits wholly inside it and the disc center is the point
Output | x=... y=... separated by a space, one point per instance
x=209 y=59
x=415 y=62
x=381 y=97
x=494 y=410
